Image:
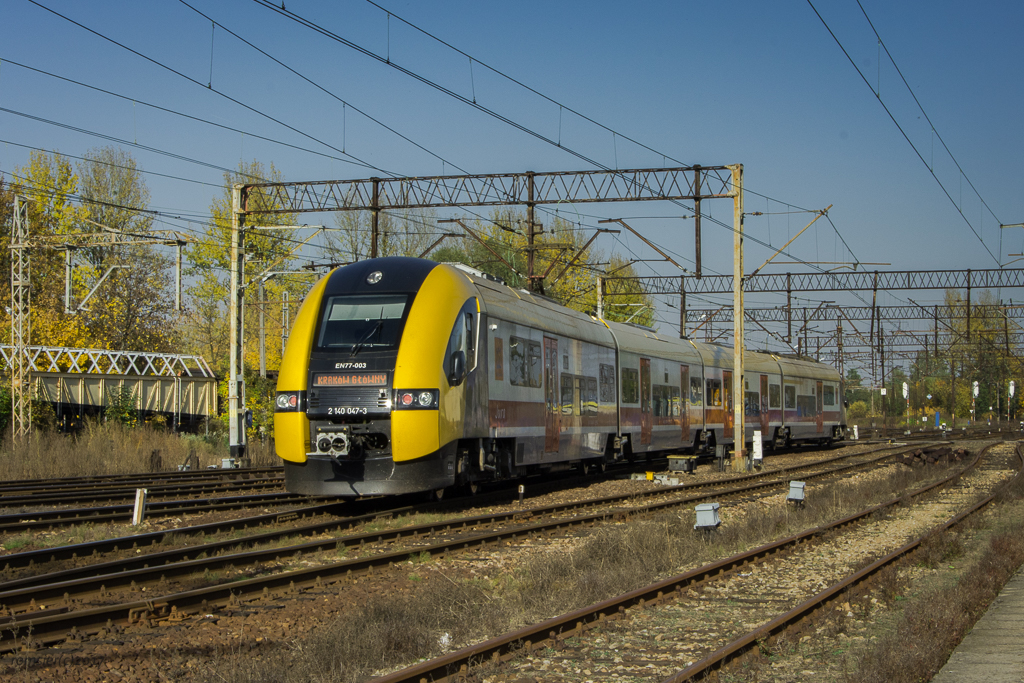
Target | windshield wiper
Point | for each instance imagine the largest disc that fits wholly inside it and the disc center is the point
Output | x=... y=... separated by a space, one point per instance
x=359 y=344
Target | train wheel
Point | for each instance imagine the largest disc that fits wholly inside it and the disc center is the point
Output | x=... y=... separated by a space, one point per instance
x=435 y=496
x=471 y=488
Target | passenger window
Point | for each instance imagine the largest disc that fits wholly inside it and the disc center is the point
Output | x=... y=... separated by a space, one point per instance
x=790 y=397
x=568 y=397
x=525 y=358
x=630 y=385
x=536 y=366
x=714 y=392
x=774 y=396
x=696 y=392
x=590 y=407
x=607 y=383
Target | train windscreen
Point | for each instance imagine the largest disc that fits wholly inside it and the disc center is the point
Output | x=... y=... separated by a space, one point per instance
x=362 y=322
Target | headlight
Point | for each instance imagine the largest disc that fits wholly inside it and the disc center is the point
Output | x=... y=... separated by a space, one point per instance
x=289 y=401
x=416 y=399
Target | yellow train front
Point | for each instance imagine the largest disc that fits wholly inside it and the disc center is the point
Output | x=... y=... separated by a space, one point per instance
x=375 y=380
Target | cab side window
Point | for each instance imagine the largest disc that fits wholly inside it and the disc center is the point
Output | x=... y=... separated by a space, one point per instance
x=463 y=338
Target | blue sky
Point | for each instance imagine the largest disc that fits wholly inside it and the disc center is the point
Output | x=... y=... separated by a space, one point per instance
x=758 y=83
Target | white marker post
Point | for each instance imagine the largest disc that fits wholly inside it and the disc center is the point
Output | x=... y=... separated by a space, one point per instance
x=758 y=449
x=140 y=507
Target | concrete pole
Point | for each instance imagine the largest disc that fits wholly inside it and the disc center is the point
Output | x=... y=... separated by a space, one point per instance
x=739 y=441
x=682 y=307
x=177 y=277
x=696 y=219
x=285 y=322
x=263 y=328
x=375 y=218
x=236 y=390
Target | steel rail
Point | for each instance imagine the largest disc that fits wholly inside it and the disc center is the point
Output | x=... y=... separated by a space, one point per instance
x=23 y=487
x=352 y=507
x=34 y=557
x=15 y=523
x=803 y=611
x=574 y=623
x=50 y=629
x=154 y=492
x=79 y=551
x=80 y=582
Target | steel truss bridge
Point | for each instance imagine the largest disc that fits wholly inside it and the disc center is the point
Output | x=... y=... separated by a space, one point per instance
x=77 y=382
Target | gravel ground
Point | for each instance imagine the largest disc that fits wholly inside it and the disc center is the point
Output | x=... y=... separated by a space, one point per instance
x=197 y=647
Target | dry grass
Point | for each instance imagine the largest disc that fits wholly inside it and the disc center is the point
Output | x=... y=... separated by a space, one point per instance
x=391 y=631
x=936 y=619
x=109 y=448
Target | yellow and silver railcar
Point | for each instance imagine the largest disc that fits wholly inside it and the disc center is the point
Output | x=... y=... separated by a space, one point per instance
x=406 y=375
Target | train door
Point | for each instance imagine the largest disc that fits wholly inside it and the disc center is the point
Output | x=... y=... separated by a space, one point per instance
x=646 y=419
x=727 y=403
x=684 y=401
x=764 y=406
x=818 y=417
x=552 y=419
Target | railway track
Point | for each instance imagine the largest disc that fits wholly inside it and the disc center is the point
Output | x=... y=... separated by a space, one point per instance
x=52 y=606
x=48 y=519
x=201 y=492
x=352 y=513
x=132 y=481
x=154 y=493
x=722 y=612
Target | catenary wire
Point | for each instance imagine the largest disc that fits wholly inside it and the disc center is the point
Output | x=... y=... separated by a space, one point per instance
x=205 y=87
x=187 y=116
x=323 y=89
x=904 y=133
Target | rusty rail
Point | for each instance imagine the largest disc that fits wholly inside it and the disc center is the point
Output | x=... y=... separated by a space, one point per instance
x=803 y=611
x=568 y=625
x=54 y=627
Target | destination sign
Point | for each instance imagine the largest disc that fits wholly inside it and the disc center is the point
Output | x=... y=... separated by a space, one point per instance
x=351 y=379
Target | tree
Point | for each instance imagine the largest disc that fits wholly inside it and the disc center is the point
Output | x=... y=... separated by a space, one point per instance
x=134 y=307
x=131 y=310
x=502 y=252
x=49 y=182
x=114 y=194
x=400 y=233
x=121 y=407
x=855 y=390
x=209 y=268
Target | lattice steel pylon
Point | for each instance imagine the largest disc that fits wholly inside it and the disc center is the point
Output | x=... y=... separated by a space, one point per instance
x=20 y=321
x=21 y=291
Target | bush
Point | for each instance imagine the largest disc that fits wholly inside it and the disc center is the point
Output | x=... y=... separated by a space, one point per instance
x=121 y=407
x=857 y=410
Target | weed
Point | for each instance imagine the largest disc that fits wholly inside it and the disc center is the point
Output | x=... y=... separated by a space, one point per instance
x=101 y=448
x=395 y=629
x=937 y=619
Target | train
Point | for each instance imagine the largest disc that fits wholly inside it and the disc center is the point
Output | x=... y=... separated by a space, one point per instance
x=405 y=375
